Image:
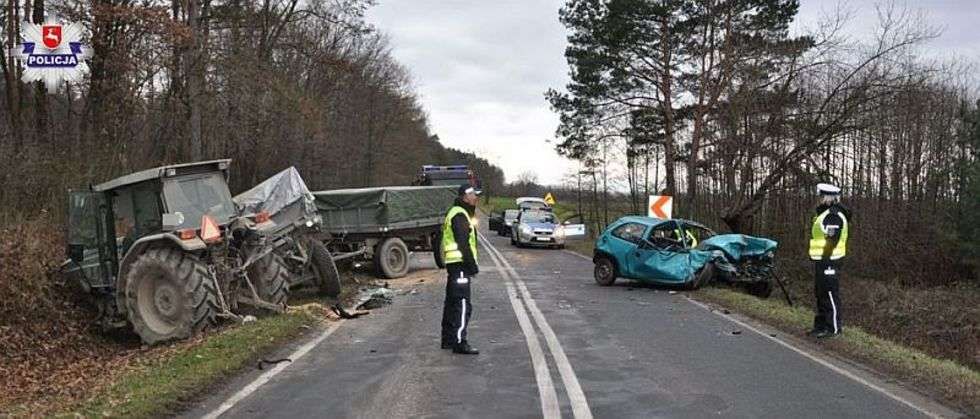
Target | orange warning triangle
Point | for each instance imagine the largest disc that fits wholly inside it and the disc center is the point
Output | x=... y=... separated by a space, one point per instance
x=209 y=230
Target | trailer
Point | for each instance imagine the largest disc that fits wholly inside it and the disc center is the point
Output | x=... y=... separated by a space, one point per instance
x=384 y=225
x=286 y=206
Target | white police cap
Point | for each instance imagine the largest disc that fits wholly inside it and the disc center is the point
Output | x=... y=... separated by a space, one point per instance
x=827 y=189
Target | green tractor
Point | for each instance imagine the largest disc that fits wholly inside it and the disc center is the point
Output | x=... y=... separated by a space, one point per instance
x=166 y=251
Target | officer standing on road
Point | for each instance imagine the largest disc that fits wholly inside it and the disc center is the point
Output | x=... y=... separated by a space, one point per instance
x=828 y=246
x=459 y=251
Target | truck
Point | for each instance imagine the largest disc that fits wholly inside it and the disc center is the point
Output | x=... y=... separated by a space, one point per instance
x=455 y=175
x=166 y=252
x=383 y=225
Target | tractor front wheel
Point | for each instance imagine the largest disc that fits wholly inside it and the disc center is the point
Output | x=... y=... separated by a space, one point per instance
x=169 y=295
x=270 y=276
x=325 y=270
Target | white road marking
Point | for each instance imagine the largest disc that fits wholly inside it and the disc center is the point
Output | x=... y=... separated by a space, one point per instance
x=265 y=377
x=580 y=405
x=542 y=376
x=821 y=361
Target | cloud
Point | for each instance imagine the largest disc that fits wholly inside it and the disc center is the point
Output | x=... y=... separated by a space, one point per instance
x=482 y=67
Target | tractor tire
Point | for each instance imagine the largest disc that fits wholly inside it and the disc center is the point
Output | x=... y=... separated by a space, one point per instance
x=169 y=296
x=702 y=277
x=324 y=269
x=270 y=276
x=437 y=253
x=605 y=271
x=391 y=258
x=762 y=289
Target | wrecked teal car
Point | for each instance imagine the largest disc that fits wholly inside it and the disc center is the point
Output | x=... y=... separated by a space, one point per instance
x=682 y=253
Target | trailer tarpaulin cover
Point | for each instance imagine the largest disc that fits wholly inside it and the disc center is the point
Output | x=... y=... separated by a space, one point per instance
x=275 y=193
x=373 y=209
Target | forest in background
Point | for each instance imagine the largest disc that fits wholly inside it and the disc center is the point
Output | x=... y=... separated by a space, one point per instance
x=720 y=104
x=269 y=84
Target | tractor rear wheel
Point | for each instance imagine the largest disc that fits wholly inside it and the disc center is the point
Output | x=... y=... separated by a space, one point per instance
x=169 y=295
x=270 y=276
x=324 y=268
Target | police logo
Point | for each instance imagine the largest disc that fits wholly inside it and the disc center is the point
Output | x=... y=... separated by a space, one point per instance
x=52 y=52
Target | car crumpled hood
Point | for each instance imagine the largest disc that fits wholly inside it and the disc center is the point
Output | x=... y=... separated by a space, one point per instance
x=738 y=246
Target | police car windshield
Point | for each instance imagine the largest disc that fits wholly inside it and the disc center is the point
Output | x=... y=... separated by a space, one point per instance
x=537 y=217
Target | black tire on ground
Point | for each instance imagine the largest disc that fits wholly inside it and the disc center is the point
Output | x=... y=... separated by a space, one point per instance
x=169 y=295
x=512 y=241
x=437 y=254
x=605 y=271
x=270 y=276
x=762 y=289
x=500 y=232
x=324 y=268
x=391 y=258
x=702 y=277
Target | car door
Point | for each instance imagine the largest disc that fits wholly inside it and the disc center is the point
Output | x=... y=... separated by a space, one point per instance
x=621 y=242
x=573 y=230
x=659 y=258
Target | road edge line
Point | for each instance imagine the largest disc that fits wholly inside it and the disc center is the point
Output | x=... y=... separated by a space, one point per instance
x=820 y=360
x=265 y=377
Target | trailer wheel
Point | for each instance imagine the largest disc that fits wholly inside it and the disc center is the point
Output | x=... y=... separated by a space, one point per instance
x=391 y=258
x=327 y=276
x=437 y=251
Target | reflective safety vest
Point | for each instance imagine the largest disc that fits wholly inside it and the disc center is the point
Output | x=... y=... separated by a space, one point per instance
x=818 y=238
x=450 y=249
x=690 y=241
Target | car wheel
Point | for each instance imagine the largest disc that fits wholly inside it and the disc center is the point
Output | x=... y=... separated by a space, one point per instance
x=761 y=289
x=605 y=271
x=702 y=277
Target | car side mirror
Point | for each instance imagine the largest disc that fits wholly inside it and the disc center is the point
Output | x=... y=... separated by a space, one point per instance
x=76 y=252
x=170 y=222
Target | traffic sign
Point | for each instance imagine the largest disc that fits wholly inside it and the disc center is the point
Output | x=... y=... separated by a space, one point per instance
x=549 y=199
x=661 y=206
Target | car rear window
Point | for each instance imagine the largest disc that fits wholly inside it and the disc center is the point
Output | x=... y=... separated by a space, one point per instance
x=631 y=232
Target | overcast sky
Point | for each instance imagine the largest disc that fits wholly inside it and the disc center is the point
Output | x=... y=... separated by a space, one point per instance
x=482 y=67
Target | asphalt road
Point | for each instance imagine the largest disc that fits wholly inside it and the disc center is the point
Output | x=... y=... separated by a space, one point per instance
x=555 y=344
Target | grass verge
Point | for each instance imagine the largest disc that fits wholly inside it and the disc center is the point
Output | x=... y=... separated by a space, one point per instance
x=158 y=386
x=957 y=384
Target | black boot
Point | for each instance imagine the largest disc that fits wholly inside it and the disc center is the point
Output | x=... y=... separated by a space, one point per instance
x=465 y=349
x=447 y=345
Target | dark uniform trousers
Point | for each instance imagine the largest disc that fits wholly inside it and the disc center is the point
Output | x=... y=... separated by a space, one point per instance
x=827 y=289
x=457 y=308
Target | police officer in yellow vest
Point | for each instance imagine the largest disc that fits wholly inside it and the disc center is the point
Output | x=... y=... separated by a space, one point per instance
x=459 y=250
x=828 y=246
